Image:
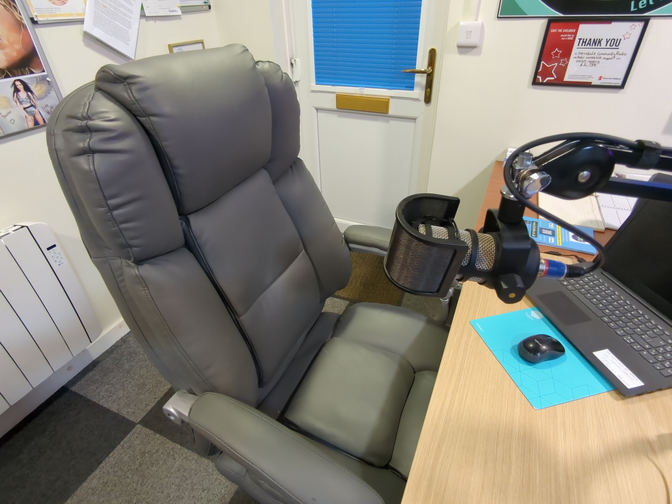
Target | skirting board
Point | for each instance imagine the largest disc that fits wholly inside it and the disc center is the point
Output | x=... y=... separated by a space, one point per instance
x=345 y=224
x=44 y=390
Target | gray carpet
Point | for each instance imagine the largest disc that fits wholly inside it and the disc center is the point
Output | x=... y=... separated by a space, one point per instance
x=103 y=438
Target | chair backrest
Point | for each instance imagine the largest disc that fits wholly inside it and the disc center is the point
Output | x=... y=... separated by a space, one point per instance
x=216 y=244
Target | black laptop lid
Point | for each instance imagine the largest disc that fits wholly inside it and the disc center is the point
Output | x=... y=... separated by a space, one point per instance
x=640 y=253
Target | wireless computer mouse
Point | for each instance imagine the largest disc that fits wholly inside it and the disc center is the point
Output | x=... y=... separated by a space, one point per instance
x=540 y=348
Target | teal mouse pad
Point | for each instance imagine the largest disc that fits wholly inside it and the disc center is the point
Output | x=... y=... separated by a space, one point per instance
x=544 y=384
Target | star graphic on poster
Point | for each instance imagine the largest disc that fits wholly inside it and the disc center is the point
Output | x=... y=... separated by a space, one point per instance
x=546 y=72
x=627 y=35
x=556 y=53
x=564 y=62
x=634 y=26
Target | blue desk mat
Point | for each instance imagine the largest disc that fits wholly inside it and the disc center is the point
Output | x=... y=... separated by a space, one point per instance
x=544 y=384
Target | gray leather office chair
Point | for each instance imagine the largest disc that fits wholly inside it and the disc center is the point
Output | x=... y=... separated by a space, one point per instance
x=183 y=175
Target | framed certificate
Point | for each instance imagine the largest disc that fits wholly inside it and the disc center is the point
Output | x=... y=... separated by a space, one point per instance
x=588 y=52
x=192 y=45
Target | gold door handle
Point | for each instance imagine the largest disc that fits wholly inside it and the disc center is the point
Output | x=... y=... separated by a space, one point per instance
x=429 y=72
x=425 y=71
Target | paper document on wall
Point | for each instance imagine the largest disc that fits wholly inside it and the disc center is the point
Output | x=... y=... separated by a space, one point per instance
x=193 y=5
x=580 y=212
x=114 y=22
x=161 y=8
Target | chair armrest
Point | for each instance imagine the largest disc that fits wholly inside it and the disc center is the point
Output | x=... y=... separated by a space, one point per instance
x=369 y=239
x=277 y=455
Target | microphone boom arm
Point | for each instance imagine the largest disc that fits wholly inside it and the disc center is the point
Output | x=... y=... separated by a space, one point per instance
x=584 y=162
x=578 y=165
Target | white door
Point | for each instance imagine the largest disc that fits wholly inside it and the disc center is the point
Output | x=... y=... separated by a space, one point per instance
x=363 y=162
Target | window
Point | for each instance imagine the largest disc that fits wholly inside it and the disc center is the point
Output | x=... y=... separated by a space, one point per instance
x=366 y=43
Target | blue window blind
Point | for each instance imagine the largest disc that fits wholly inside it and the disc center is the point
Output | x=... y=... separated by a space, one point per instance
x=365 y=43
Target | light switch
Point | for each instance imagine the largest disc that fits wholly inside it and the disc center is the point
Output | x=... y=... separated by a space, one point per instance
x=470 y=34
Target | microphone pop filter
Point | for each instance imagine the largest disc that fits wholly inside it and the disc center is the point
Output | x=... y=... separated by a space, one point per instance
x=418 y=262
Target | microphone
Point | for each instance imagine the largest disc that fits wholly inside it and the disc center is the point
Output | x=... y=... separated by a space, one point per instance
x=487 y=254
x=428 y=253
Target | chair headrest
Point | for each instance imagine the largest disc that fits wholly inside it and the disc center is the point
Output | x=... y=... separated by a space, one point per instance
x=207 y=114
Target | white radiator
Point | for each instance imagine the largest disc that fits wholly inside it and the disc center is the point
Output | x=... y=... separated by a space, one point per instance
x=45 y=316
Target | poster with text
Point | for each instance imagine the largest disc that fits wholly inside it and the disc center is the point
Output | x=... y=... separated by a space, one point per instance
x=552 y=8
x=56 y=10
x=589 y=53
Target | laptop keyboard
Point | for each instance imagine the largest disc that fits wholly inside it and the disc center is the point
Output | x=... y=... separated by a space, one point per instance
x=644 y=335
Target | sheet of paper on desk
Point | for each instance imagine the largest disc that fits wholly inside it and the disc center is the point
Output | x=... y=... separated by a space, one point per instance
x=580 y=212
x=545 y=384
x=616 y=209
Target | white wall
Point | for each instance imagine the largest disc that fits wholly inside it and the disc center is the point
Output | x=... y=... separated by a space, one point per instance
x=486 y=102
x=247 y=22
x=29 y=190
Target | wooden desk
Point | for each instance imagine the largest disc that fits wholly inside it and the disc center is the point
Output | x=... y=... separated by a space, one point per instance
x=491 y=200
x=483 y=443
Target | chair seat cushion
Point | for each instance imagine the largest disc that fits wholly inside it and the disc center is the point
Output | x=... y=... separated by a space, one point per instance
x=367 y=391
x=352 y=398
x=411 y=422
x=406 y=333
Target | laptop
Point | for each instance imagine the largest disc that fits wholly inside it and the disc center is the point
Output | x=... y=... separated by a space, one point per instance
x=620 y=317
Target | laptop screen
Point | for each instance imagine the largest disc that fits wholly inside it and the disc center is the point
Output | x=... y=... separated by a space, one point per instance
x=640 y=254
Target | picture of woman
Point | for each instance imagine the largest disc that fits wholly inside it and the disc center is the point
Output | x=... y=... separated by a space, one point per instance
x=26 y=103
x=25 y=99
x=18 y=55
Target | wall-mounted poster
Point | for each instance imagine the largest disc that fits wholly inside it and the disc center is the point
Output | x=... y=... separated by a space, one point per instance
x=590 y=53
x=28 y=93
x=47 y=11
x=552 y=8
